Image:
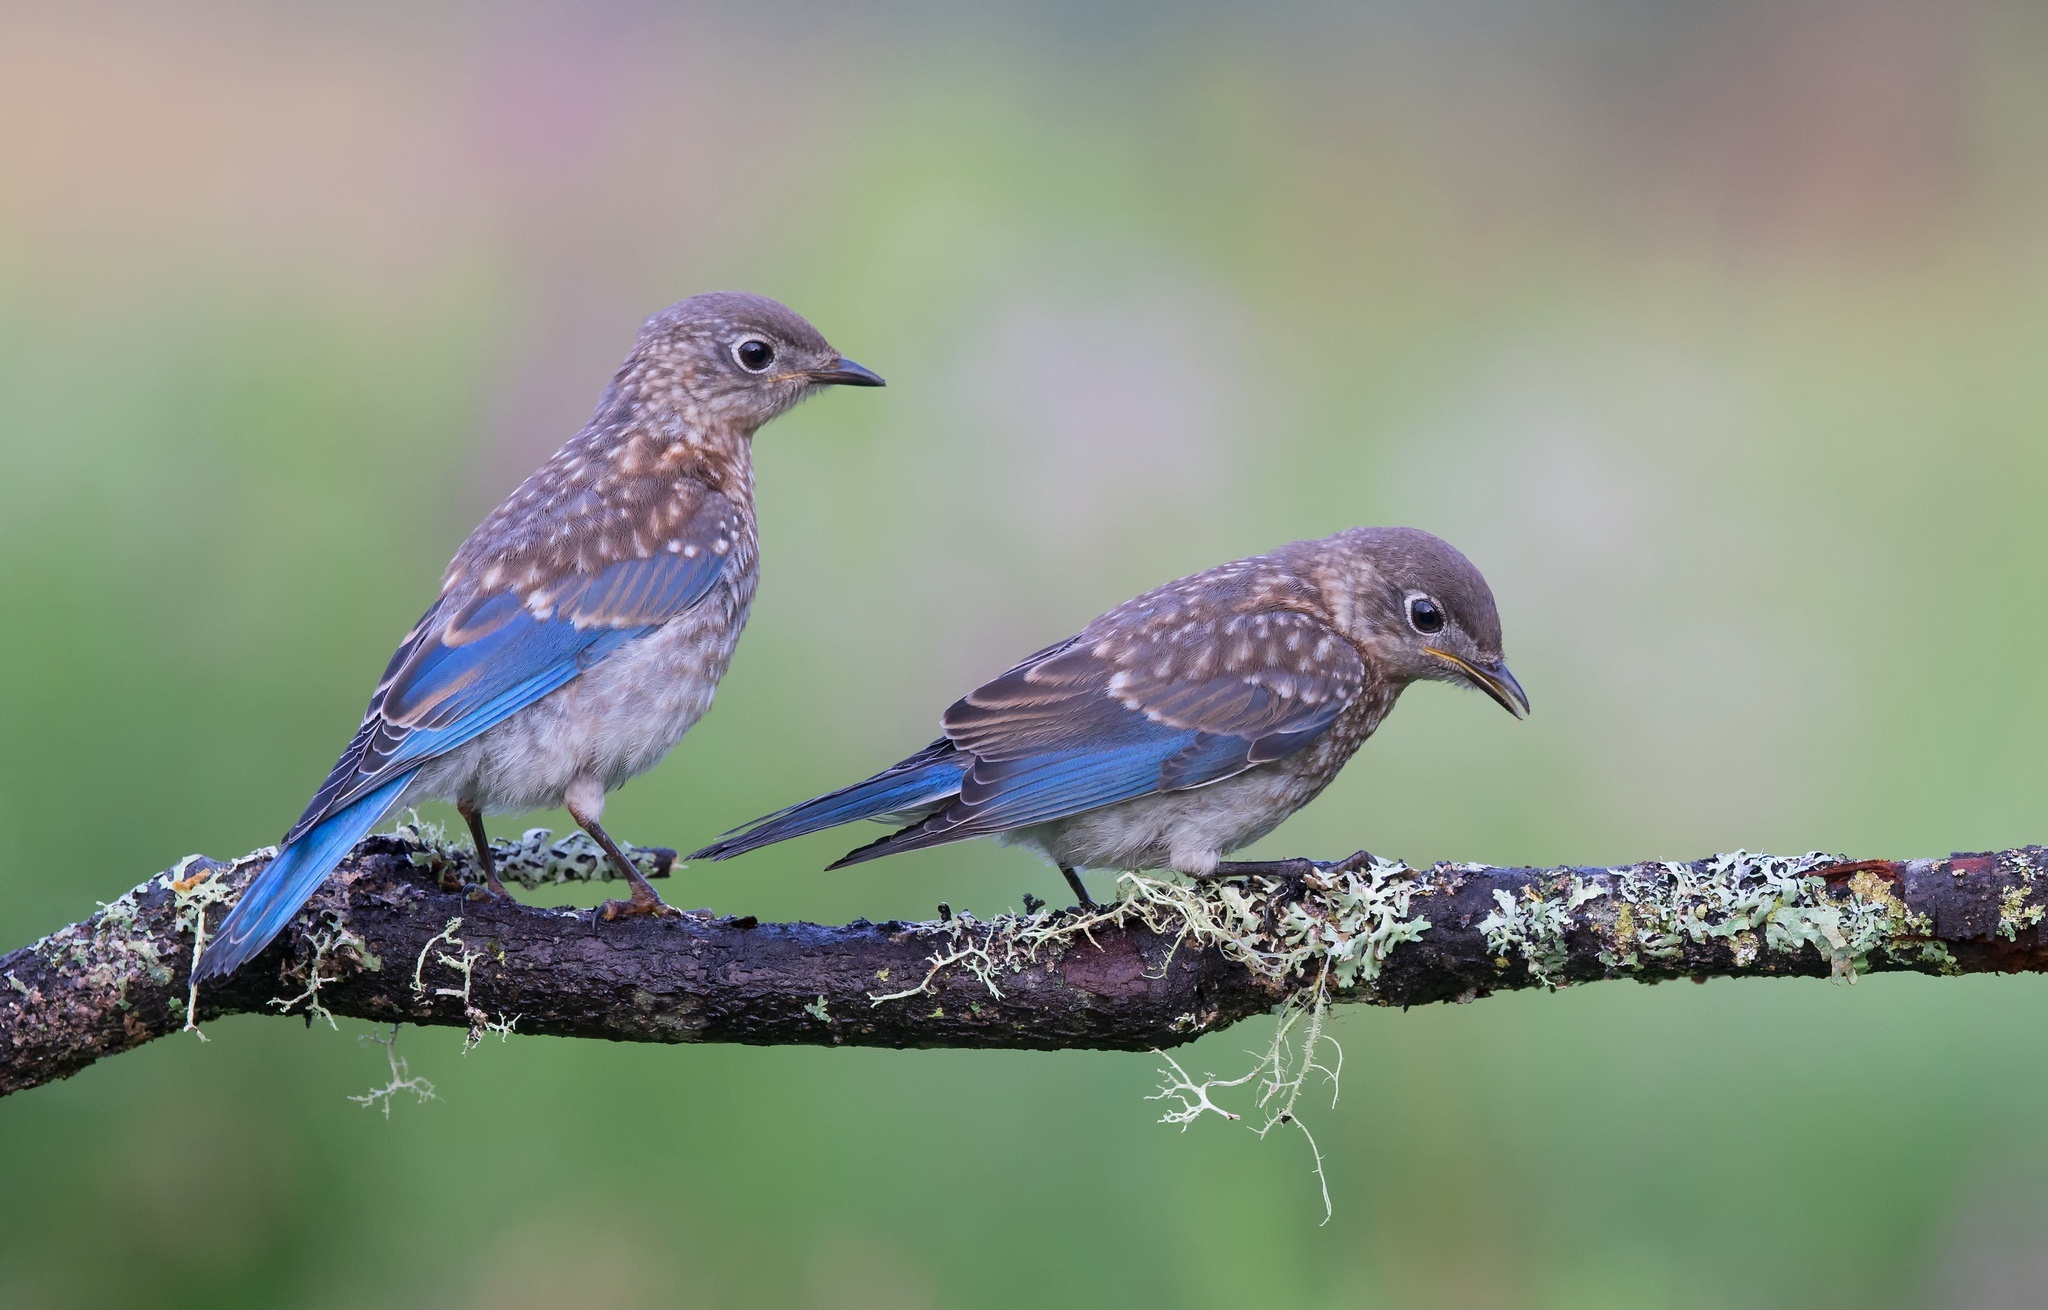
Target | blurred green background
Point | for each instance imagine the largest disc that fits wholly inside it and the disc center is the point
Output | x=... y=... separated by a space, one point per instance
x=1713 y=332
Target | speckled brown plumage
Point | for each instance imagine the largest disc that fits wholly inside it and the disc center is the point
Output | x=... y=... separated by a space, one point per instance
x=1189 y=722
x=583 y=627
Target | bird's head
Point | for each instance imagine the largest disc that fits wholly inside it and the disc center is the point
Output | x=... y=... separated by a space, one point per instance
x=1422 y=611
x=742 y=359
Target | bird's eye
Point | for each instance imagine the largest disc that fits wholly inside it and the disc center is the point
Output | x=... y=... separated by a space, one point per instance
x=754 y=354
x=1425 y=614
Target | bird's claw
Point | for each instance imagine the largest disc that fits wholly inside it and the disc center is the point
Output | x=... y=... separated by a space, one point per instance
x=1356 y=862
x=1290 y=870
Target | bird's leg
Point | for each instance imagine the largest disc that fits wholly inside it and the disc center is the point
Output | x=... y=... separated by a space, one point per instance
x=474 y=817
x=1293 y=869
x=1074 y=881
x=644 y=900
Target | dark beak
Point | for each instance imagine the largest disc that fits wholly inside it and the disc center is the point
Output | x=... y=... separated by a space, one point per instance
x=1494 y=680
x=845 y=373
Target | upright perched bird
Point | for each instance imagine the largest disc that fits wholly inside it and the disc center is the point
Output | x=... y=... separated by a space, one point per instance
x=583 y=627
x=1189 y=722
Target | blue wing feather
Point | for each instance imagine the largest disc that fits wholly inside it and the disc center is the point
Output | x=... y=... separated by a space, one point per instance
x=469 y=664
x=1048 y=785
x=1110 y=716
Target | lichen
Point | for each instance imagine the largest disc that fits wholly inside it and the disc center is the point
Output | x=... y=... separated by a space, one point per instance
x=332 y=941
x=1340 y=921
x=119 y=947
x=1535 y=925
x=1754 y=904
x=1282 y=1074
x=2015 y=910
x=1325 y=936
x=401 y=1080
x=195 y=885
x=538 y=858
x=481 y=1023
x=1328 y=937
x=447 y=934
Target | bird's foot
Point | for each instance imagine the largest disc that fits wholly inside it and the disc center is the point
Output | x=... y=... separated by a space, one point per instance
x=1356 y=862
x=1292 y=870
x=643 y=903
x=492 y=890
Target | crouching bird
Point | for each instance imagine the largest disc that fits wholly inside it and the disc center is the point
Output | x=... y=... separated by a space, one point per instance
x=583 y=627
x=1189 y=722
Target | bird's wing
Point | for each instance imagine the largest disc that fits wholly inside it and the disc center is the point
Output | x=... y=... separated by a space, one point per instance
x=1152 y=703
x=483 y=653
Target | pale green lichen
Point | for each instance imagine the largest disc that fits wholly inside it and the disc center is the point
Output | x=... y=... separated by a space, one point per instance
x=447 y=934
x=1755 y=904
x=1282 y=1073
x=504 y=1028
x=333 y=941
x=110 y=952
x=1781 y=897
x=816 y=1009
x=401 y=1080
x=1534 y=926
x=1344 y=923
x=1331 y=941
x=2015 y=910
x=195 y=885
x=463 y=965
x=1328 y=936
x=538 y=858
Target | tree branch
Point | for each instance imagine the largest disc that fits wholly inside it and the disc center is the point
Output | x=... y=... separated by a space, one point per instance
x=398 y=936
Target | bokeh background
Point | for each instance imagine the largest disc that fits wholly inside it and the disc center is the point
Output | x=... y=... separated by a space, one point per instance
x=1714 y=332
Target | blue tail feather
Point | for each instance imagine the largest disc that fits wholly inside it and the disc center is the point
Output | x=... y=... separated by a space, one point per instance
x=927 y=778
x=290 y=879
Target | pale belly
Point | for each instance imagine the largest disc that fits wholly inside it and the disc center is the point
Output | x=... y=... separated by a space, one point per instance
x=1189 y=831
x=615 y=721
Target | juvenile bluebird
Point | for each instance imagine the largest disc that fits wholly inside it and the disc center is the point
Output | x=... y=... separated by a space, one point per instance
x=1188 y=723
x=583 y=627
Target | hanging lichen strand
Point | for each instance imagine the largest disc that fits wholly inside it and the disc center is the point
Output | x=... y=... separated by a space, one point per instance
x=1329 y=936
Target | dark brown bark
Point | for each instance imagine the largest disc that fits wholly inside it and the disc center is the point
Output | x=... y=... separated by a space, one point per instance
x=119 y=978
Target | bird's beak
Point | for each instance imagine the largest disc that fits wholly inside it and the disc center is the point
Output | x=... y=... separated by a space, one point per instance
x=1496 y=681
x=844 y=372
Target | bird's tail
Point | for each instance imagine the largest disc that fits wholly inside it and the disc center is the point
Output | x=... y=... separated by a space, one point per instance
x=925 y=779
x=289 y=879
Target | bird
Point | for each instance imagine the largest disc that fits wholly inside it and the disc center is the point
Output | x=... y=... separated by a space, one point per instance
x=1188 y=723
x=583 y=627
